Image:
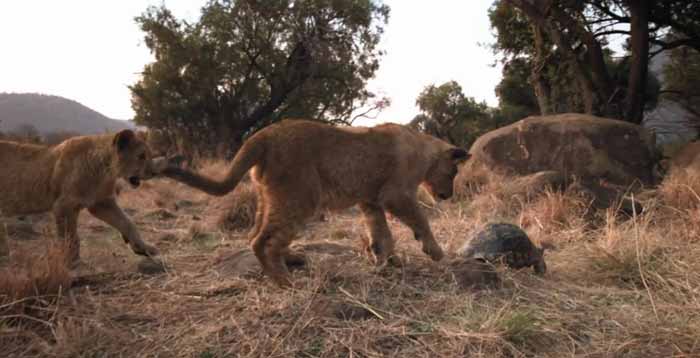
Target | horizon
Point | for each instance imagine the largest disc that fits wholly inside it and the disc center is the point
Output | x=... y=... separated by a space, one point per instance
x=92 y=59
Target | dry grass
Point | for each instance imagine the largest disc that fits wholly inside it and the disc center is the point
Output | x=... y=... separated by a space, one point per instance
x=620 y=288
x=556 y=216
x=236 y=210
x=31 y=289
x=681 y=189
x=474 y=178
x=44 y=273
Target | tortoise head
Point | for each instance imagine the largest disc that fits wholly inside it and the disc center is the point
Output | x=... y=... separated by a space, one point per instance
x=539 y=265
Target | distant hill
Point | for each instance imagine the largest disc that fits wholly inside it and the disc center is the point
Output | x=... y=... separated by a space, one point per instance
x=52 y=114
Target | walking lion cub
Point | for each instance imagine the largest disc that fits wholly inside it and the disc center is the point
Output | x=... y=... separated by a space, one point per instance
x=79 y=173
x=301 y=167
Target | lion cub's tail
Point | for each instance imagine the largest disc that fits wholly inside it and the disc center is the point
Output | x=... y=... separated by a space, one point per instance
x=250 y=154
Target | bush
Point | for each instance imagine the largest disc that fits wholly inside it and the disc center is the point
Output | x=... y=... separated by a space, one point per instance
x=58 y=137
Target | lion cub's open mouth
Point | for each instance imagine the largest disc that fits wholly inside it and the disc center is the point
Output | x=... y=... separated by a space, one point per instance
x=135 y=181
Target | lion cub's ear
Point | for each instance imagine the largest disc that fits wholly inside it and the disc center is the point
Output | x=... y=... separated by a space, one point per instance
x=123 y=139
x=459 y=154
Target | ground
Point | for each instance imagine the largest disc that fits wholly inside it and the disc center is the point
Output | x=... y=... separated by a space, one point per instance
x=615 y=286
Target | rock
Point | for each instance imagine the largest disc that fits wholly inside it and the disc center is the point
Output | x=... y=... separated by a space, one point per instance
x=537 y=183
x=604 y=195
x=242 y=263
x=350 y=312
x=181 y=204
x=574 y=144
x=161 y=214
x=20 y=229
x=150 y=266
x=508 y=243
x=168 y=236
x=474 y=273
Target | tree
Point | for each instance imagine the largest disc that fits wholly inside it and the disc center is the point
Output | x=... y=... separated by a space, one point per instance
x=25 y=133
x=448 y=114
x=516 y=96
x=682 y=74
x=247 y=63
x=568 y=39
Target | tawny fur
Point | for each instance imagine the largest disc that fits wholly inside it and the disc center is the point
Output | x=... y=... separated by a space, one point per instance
x=79 y=173
x=302 y=167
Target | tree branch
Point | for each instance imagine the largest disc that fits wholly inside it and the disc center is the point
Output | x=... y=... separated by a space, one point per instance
x=606 y=11
x=611 y=32
x=693 y=42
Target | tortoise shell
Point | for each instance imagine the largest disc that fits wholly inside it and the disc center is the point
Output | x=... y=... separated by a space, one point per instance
x=507 y=243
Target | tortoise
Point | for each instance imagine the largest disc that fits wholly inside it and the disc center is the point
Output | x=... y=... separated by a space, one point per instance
x=506 y=242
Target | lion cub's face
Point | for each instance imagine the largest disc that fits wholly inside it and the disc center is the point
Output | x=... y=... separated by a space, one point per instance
x=134 y=158
x=440 y=177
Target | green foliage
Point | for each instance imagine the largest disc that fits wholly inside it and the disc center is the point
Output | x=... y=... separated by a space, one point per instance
x=506 y=19
x=577 y=72
x=620 y=71
x=682 y=75
x=514 y=91
x=245 y=64
x=519 y=327
x=448 y=114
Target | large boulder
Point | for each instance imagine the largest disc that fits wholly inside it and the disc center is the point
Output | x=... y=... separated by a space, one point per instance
x=573 y=144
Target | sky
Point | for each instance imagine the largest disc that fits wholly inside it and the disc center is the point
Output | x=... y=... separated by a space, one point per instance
x=91 y=50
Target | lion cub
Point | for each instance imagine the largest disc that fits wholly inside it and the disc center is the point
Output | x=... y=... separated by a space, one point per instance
x=302 y=167
x=76 y=174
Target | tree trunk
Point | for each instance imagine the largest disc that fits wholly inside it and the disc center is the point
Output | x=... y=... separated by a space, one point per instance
x=639 y=61
x=537 y=80
x=588 y=93
x=599 y=85
x=537 y=13
x=298 y=69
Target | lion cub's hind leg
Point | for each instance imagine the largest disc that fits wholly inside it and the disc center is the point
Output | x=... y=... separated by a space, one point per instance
x=290 y=258
x=288 y=206
x=269 y=247
x=259 y=213
x=66 y=217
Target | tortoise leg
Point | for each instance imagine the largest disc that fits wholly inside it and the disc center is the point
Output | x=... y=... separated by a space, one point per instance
x=540 y=267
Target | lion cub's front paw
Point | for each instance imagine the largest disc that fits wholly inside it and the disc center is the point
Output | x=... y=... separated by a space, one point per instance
x=282 y=280
x=395 y=261
x=434 y=251
x=144 y=250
